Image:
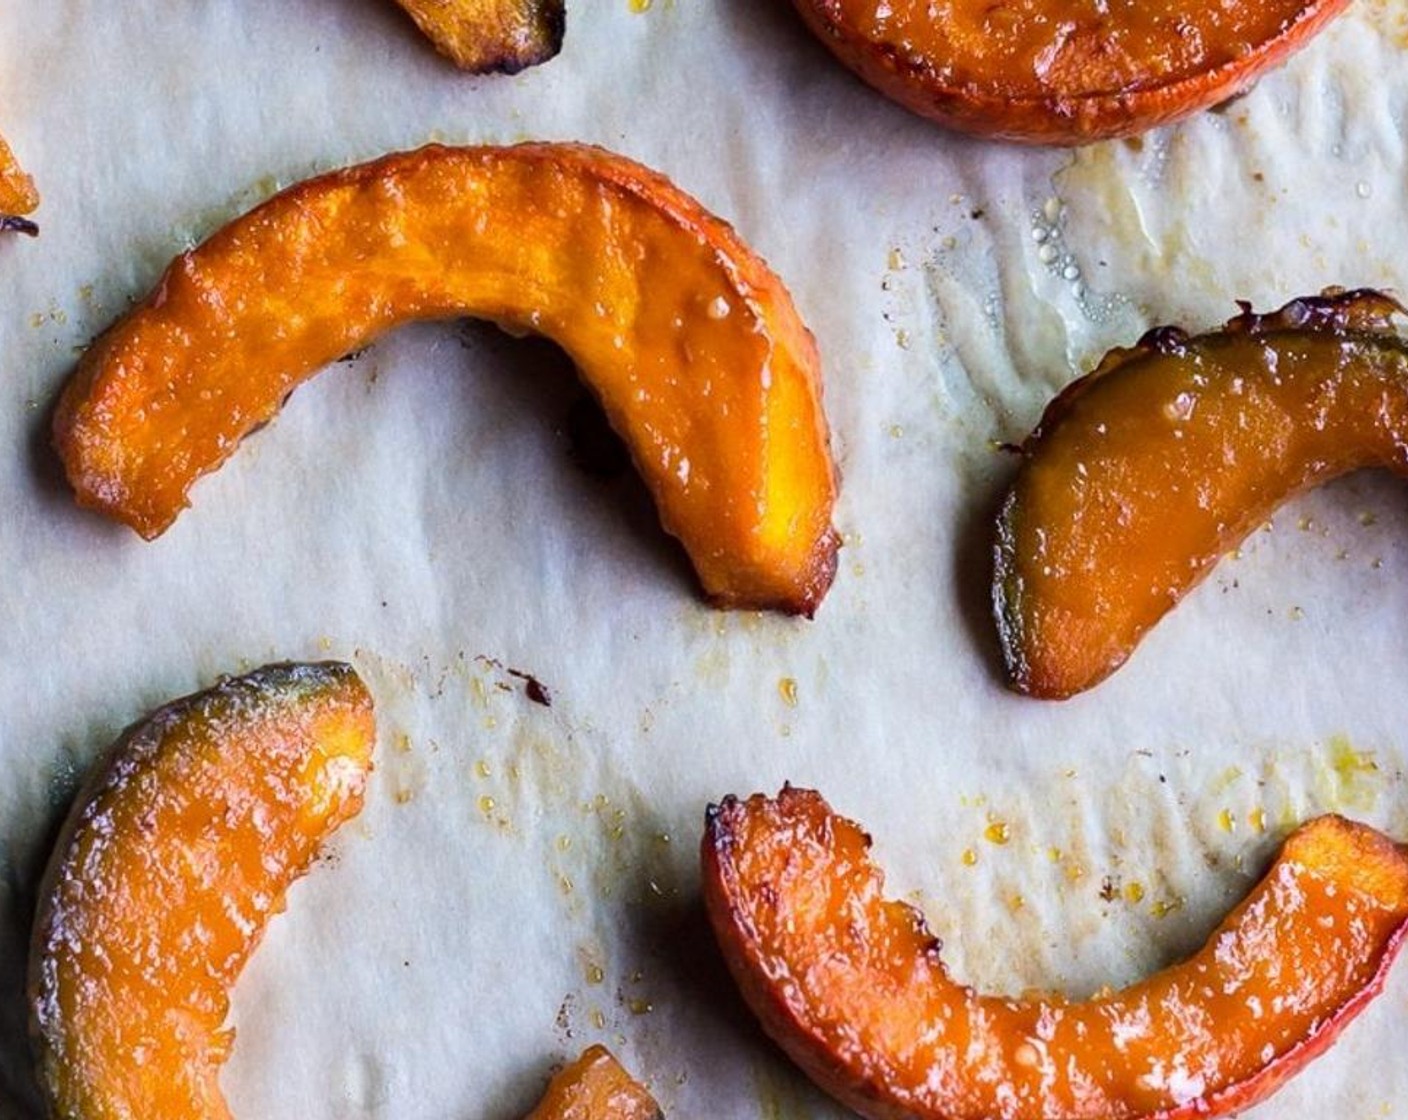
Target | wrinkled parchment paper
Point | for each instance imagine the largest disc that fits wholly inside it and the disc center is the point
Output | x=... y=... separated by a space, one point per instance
x=523 y=880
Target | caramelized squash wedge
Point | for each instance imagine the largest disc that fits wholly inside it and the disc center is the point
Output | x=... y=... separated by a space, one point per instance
x=1144 y=473
x=690 y=342
x=176 y=855
x=17 y=194
x=596 y=1087
x=481 y=36
x=852 y=987
x=1046 y=72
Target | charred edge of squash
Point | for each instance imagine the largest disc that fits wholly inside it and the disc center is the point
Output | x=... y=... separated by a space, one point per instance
x=1334 y=311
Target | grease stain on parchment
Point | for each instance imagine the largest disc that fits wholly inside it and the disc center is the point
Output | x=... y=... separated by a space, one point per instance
x=405 y=768
x=1348 y=779
x=602 y=841
x=1134 y=869
x=1388 y=18
x=539 y=781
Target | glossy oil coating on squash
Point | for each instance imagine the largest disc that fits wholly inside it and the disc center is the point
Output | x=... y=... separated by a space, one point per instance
x=176 y=855
x=595 y=1087
x=690 y=342
x=1147 y=471
x=17 y=194
x=852 y=987
x=486 y=35
x=1052 y=72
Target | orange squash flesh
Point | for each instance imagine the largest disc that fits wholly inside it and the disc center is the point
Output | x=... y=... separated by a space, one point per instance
x=691 y=343
x=17 y=194
x=852 y=987
x=176 y=855
x=1144 y=473
x=1048 y=72
x=481 y=36
x=595 y=1087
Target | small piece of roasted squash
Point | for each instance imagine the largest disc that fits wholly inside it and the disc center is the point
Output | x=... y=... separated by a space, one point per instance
x=1144 y=473
x=177 y=853
x=17 y=194
x=691 y=343
x=852 y=987
x=595 y=1087
x=481 y=36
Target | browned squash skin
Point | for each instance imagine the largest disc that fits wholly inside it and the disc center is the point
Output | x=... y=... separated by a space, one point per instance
x=690 y=342
x=1144 y=473
x=177 y=853
x=595 y=1087
x=1043 y=72
x=482 y=36
x=852 y=986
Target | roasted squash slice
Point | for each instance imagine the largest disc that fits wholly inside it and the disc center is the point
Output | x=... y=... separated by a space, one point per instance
x=1144 y=473
x=692 y=345
x=1051 y=72
x=852 y=987
x=176 y=855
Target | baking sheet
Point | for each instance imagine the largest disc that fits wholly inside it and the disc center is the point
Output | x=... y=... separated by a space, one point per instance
x=523 y=880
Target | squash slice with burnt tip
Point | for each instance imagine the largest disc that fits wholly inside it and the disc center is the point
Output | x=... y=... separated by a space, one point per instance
x=481 y=36
x=17 y=194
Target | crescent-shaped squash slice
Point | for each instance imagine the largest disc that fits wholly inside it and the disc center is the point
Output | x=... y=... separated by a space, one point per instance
x=692 y=345
x=852 y=987
x=595 y=1087
x=1144 y=473
x=174 y=858
x=1050 y=72
x=481 y=36
x=17 y=194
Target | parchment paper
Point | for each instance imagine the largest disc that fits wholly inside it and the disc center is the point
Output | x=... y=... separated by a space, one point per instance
x=523 y=880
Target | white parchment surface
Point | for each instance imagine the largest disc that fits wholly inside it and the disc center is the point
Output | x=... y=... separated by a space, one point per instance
x=523 y=880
